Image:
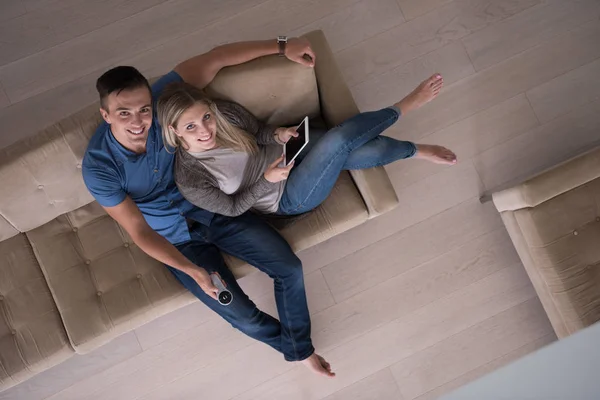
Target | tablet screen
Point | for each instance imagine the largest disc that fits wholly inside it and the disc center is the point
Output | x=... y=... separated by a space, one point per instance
x=295 y=145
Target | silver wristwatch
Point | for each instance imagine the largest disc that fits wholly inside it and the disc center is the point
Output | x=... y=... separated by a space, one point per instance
x=282 y=42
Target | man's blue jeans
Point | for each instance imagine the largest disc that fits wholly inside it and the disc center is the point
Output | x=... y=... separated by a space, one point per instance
x=251 y=239
x=354 y=144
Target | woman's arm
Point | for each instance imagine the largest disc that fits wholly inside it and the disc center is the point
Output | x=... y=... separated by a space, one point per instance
x=245 y=120
x=199 y=191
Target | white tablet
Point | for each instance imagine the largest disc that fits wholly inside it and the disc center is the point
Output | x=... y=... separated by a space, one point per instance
x=295 y=145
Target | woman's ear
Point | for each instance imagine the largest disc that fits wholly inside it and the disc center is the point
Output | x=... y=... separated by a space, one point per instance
x=172 y=129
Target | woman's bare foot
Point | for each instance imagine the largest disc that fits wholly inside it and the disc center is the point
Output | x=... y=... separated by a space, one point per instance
x=318 y=365
x=424 y=93
x=435 y=154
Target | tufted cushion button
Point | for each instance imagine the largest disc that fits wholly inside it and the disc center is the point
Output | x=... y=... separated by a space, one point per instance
x=13 y=332
x=1 y=297
x=575 y=233
x=139 y=276
x=51 y=203
x=75 y=229
x=99 y=293
x=597 y=219
x=78 y=166
x=40 y=187
x=87 y=262
x=126 y=244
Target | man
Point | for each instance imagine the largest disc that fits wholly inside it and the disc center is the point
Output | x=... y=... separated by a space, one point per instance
x=130 y=174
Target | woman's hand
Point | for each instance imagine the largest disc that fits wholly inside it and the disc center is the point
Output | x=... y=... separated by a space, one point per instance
x=299 y=50
x=275 y=173
x=285 y=134
x=203 y=280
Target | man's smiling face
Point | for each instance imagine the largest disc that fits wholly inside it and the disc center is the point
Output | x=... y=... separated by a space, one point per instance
x=129 y=113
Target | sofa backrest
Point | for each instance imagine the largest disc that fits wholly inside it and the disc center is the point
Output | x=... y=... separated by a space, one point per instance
x=40 y=177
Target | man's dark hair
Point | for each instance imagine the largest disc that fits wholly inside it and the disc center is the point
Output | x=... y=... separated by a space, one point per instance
x=119 y=79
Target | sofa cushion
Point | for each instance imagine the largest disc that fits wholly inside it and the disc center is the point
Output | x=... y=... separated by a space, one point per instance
x=41 y=176
x=103 y=284
x=274 y=89
x=32 y=336
x=342 y=210
x=562 y=236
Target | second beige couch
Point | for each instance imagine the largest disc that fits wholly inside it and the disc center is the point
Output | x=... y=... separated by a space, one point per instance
x=553 y=220
x=71 y=279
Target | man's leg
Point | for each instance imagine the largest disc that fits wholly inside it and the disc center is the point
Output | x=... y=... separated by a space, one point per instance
x=251 y=239
x=242 y=313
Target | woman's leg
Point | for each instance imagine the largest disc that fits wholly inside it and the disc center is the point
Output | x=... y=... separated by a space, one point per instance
x=356 y=144
x=311 y=181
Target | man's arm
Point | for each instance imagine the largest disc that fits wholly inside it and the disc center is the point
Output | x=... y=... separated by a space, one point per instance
x=129 y=216
x=201 y=70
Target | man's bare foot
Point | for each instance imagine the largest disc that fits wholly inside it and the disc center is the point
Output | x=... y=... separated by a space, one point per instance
x=435 y=154
x=318 y=365
x=424 y=93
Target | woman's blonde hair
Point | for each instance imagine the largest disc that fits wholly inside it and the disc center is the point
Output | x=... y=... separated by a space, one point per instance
x=179 y=97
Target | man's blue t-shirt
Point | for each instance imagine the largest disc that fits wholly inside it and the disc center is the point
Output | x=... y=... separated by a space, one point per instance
x=111 y=172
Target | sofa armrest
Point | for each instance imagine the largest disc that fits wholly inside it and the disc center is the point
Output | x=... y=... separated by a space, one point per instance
x=337 y=105
x=550 y=183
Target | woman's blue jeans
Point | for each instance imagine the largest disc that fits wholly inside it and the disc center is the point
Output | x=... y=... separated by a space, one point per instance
x=354 y=144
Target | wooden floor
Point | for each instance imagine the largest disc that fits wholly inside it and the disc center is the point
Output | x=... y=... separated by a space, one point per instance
x=406 y=306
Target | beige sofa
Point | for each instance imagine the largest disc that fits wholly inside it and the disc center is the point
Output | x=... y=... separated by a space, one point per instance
x=554 y=222
x=71 y=279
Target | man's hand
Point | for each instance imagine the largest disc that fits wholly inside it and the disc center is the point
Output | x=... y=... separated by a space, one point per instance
x=203 y=280
x=296 y=50
x=285 y=134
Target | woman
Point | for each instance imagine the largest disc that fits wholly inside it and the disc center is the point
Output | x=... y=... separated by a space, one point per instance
x=228 y=162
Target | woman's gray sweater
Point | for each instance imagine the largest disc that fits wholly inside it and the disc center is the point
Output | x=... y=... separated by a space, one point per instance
x=201 y=188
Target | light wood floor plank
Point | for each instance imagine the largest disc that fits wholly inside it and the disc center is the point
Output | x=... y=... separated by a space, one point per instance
x=391 y=256
x=507 y=79
x=356 y=23
x=567 y=92
x=87 y=53
x=540 y=148
x=379 y=386
x=402 y=338
x=4 y=102
x=10 y=9
x=418 y=286
x=483 y=218
x=469 y=137
x=418 y=202
x=388 y=88
x=528 y=29
x=57 y=21
x=77 y=368
x=422 y=35
x=471 y=348
x=489 y=367
x=159 y=365
x=415 y=8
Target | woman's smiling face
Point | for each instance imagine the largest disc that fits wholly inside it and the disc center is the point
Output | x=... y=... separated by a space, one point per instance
x=197 y=127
